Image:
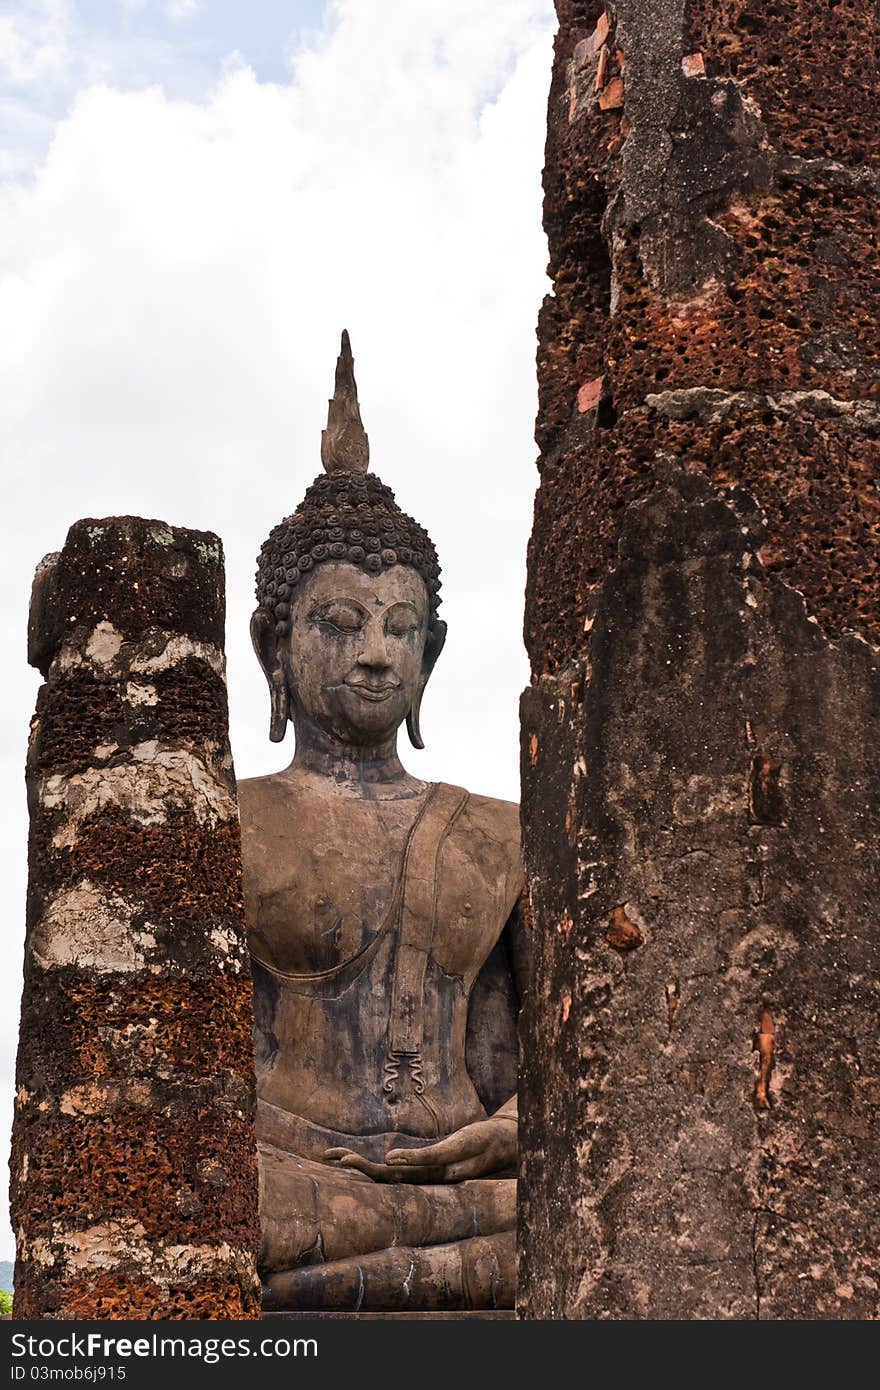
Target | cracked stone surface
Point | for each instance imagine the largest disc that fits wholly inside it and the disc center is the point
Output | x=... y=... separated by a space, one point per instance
x=701 y=801
x=133 y=1165
x=701 y=1074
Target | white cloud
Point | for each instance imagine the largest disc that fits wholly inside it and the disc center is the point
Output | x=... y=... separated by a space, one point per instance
x=174 y=279
x=34 y=41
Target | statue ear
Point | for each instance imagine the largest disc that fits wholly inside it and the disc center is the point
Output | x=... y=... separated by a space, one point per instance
x=265 y=643
x=433 y=647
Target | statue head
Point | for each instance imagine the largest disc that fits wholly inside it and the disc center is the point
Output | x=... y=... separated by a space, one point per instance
x=346 y=627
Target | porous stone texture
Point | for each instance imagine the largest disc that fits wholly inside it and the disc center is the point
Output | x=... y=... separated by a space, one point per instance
x=711 y=203
x=134 y=1185
x=699 y=1092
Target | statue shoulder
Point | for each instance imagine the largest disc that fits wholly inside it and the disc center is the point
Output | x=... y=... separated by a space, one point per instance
x=255 y=794
x=491 y=816
x=263 y=807
x=490 y=829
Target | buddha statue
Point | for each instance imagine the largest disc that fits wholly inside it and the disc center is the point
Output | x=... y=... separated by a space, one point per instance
x=385 y=928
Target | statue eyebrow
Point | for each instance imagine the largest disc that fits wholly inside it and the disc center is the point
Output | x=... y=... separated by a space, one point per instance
x=403 y=603
x=324 y=606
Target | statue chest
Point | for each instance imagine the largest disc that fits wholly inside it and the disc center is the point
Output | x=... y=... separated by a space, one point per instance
x=334 y=901
x=369 y=926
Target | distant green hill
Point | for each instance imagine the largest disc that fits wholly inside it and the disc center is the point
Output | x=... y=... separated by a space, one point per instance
x=6 y=1275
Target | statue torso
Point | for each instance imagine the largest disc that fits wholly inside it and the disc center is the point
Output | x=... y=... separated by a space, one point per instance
x=322 y=898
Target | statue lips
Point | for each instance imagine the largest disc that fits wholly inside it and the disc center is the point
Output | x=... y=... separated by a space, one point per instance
x=373 y=692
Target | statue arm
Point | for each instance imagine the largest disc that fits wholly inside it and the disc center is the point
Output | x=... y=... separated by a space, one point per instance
x=508 y=1111
x=518 y=945
x=517 y=942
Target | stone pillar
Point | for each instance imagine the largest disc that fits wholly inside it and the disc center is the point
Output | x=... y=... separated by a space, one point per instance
x=701 y=801
x=134 y=1189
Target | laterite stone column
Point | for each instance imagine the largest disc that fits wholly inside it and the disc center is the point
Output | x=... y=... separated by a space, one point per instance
x=134 y=1185
x=701 y=801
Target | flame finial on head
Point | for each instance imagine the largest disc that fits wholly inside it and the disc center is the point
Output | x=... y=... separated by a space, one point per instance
x=345 y=447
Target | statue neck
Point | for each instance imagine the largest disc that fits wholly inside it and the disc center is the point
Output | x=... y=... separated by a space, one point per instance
x=355 y=765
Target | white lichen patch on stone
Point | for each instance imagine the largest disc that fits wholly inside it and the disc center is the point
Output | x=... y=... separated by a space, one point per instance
x=141 y=694
x=67 y=658
x=84 y=927
x=156 y=780
x=123 y=1243
x=91 y=929
x=176 y=650
x=158 y=650
x=210 y=797
x=210 y=551
x=101 y=1097
x=227 y=941
x=104 y=644
x=162 y=535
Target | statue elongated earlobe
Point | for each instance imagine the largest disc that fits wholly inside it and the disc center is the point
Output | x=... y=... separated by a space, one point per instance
x=279 y=711
x=412 y=719
x=263 y=638
x=433 y=648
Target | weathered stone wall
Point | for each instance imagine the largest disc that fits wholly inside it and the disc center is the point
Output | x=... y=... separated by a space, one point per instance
x=134 y=1190
x=700 y=800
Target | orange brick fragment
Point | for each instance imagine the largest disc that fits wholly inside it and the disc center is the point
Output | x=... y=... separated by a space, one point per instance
x=612 y=96
x=600 y=33
x=588 y=395
x=692 y=65
x=621 y=933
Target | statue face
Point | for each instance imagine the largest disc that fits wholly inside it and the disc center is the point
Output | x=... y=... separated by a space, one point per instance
x=353 y=660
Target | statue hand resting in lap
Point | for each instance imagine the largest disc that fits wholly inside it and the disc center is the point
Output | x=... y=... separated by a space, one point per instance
x=486 y=1146
x=385 y=927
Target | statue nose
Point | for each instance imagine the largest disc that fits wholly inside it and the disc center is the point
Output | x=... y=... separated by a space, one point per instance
x=374 y=651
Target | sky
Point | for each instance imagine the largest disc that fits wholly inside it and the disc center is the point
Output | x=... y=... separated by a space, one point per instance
x=196 y=196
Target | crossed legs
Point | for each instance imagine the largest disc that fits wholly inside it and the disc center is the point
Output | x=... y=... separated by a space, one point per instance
x=333 y=1238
